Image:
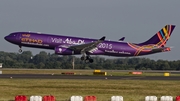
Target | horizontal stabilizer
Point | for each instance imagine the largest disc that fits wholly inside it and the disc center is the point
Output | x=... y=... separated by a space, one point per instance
x=161 y=49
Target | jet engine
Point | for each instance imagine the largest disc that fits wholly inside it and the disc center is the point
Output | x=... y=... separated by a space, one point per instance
x=63 y=51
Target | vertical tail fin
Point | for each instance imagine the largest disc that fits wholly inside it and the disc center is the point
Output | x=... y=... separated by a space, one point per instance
x=161 y=37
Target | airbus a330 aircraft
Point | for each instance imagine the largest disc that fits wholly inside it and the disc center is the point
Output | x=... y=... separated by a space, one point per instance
x=68 y=45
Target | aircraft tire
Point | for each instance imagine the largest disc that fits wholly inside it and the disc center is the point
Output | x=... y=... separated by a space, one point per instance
x=20 y=50
x=91 y=60
x=82 y=58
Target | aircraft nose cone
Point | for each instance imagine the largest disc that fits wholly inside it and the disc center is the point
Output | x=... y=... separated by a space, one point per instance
x=6 y=38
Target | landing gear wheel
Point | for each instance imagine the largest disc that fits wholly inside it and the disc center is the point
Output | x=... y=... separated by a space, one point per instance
x=91 y=60
x=82 y=58
x=87 y=57
x=20 y=50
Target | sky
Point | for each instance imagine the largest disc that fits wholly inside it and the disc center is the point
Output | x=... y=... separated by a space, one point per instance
x=137 y=20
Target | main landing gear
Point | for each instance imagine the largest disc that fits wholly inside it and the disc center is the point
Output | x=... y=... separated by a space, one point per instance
x=87 y=59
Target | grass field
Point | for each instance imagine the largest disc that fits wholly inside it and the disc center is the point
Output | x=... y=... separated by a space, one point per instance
x=81 y=72
x=131 y=90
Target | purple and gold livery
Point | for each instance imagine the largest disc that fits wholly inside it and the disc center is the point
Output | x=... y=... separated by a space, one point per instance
x=67 y=45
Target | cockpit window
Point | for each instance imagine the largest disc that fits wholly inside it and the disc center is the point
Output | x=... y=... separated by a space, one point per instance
x=12 y=34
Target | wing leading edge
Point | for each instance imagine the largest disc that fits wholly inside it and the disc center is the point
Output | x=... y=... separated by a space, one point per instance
x=87 y=47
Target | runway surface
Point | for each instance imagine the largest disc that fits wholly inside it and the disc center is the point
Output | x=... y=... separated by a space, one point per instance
x=51 y=76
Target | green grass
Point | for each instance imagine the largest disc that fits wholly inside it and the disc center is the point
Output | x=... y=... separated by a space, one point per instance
x=78 y=72
x=131 y=90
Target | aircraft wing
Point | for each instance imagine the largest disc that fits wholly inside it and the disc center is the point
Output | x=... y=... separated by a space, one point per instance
x=87 y=47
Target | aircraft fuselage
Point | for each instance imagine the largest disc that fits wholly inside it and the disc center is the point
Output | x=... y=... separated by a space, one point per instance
x=47 y=41
x=68 y=45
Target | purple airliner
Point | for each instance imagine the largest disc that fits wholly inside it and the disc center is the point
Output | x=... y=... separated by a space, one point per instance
x=68 y=45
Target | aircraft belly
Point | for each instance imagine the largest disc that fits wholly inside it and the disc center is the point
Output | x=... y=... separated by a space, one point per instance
x=96 y=52
x=120 y=50
x=36 y=46
x=151 y=52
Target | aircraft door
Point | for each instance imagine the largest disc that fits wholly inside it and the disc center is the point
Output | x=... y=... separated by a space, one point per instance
x=49 y=40
x=18 y=37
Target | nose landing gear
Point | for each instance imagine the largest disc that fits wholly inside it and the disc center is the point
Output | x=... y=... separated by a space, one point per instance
x=20 y=50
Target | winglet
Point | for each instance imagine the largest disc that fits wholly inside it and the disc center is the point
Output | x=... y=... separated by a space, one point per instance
x=103 y=38
x=122 y=39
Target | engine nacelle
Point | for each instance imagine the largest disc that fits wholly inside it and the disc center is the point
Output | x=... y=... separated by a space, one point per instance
x=63 y=51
